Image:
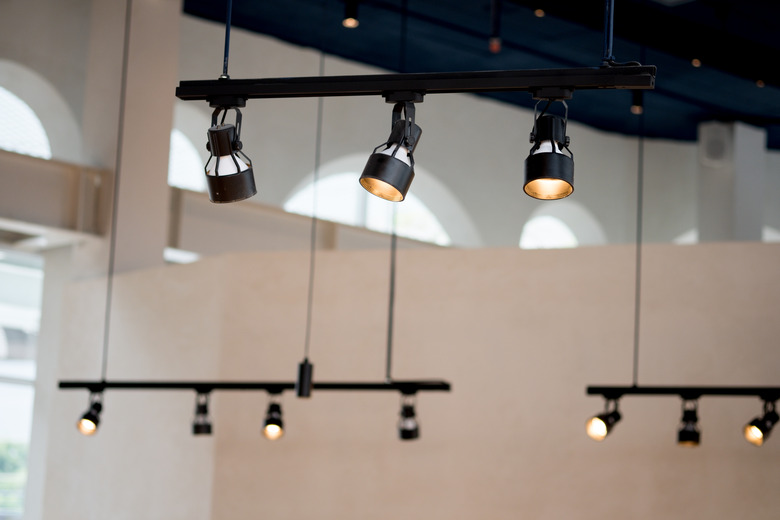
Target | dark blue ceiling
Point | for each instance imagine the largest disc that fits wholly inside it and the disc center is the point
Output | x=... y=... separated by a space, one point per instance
x=738 y=43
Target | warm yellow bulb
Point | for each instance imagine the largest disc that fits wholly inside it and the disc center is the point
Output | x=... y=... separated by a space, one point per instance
x=273 y=432
x=381 y=189
x=753 y=435
x=350 y=23
x=86 y=427
x=548 y=189
x=597 y=429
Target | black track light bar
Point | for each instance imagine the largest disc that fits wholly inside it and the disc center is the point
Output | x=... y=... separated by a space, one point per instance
x=765 y=393
x=542 y=83
x=404 y=387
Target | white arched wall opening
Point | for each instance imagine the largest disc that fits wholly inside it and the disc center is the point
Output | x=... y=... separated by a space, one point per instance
x=451 y=214
x=585 y=227
x=56 y=116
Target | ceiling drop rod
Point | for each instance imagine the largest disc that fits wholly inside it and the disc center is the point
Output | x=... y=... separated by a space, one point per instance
x=228 y=17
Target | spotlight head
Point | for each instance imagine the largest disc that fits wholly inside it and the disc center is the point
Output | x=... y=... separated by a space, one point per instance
x=350 y=20
x=273 y=428
x=408 y=427
x=88 y=424
x=201 y=425
x=389 y=173
x=599 y=426
x=757 y=430
x=231 y=179
x=689 y=434
x=549 y=173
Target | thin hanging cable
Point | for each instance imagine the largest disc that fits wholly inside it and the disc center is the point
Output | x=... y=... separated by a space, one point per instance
x=115 y=203
x=391 y=299
x=228 y=18
x=639 y=212
x=402 y=50
x=609 y=9
x=313 y=239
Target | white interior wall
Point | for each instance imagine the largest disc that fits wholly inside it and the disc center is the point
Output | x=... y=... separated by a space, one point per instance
x=518 y=334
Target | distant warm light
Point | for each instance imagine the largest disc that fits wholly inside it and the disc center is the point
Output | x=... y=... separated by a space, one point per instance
x=539 y=13
x=350 y=23
x=760 y=84
x=87 y=427
x=597 y=429
x=637 y=110
x=272 y=431
x=754 y=435
x=696 y=62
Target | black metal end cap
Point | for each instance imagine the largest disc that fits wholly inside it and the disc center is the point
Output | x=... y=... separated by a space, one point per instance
x=231 y=188
x=387 y=177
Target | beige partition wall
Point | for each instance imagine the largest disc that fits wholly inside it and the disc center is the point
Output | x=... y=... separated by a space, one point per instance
x=518 y=334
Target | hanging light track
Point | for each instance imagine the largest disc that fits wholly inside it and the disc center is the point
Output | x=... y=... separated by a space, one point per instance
x=542 y=83
x=406 y=387
x=689 y=393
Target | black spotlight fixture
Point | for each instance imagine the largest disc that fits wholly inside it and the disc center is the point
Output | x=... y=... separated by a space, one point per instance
x=201 y=425
x=350 y=20
x=88 y=424
x=408 y=427
x=231 y=179
x=757 y=430
x=273 y=428
x=689 y=434
x=599 y=426
x=389 y=172
x=549 y=173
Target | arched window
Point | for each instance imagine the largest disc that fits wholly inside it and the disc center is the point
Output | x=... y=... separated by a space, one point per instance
x=21 y=131
x=340 y=198
x=547 y=232
x=185 y=165
x=560 y=224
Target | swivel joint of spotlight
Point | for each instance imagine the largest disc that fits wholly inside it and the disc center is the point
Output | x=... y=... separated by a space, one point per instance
x=389 y=173
x=231 y=178
x=549 y=173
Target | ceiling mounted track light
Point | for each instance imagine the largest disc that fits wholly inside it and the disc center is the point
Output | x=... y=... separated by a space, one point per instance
x=273 y=427
x=350 y=20
x=408 y=427
x=689 y=434
x=599 y=426
x=88 y=424
x=549 y=172
x=201 y=425
x=389 y=172
x=757 y=430
x=230 y=179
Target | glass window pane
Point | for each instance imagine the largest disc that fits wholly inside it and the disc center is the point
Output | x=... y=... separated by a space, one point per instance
x=21 y=131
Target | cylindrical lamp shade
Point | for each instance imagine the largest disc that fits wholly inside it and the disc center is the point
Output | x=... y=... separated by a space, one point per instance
x=386 y=176
x=201 y=428
x=549 y=173
x=231 y=179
